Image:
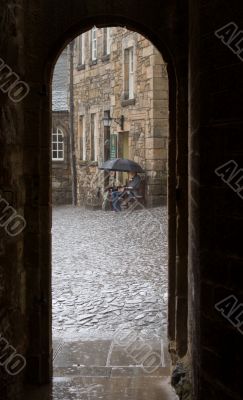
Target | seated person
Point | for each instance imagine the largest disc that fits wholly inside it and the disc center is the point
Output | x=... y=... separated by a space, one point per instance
x=131 y=189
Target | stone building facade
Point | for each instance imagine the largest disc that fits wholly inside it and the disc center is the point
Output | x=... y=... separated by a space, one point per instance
x=60 y=151
x=120 y=74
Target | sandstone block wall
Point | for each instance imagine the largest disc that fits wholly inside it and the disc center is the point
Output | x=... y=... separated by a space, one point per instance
x=99 y=86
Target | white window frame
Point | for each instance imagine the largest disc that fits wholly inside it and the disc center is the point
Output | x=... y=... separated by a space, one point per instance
x=107 y=39
x=81 y=155
x=94 y=43
x=59 y=143
x=131 y=73
x=84 y=140
x=95 y=149
x=81 y=49
x=96 y=138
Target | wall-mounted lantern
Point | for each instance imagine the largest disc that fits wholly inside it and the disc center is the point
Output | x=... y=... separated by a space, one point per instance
x=119 y=121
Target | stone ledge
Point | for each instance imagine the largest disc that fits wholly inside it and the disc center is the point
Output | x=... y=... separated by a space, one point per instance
x=84 y=163
x=129 y=102
x=105 y=57
x=94 y=62
x=60 y=164
x=80 y=67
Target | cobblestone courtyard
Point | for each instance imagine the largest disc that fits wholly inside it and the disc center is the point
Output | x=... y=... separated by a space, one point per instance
x=109 y=278
x=109 y=270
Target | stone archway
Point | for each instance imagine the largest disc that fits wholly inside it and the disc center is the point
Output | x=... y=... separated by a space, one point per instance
x=177 y=203
x=47 y=32
x=32 y=35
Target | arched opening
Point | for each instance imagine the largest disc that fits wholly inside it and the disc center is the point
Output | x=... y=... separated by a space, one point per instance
x=109 y=279
x=177 y=294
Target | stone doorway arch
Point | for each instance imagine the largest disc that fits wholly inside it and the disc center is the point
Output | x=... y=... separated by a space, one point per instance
x=168 y=33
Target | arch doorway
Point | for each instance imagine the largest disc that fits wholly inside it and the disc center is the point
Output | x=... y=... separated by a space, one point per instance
x=109 y=280
x=177 y=222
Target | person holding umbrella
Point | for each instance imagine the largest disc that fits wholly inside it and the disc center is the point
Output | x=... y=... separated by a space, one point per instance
x=132 y=190
x=124 y=165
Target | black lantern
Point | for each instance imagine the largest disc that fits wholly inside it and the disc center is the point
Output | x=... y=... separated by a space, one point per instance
x=119 y=121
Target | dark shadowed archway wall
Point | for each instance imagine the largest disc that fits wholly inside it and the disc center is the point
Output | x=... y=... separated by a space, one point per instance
x=36 y=36
x=32 y=34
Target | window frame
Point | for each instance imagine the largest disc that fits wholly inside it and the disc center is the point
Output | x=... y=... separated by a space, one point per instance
x=84 y=155
x=129 y=74
x=107 y=134
x=81 y=147
x=107 y=41
x=81 y=50
x=58 y=132
x=93 y=137
x=94 y=48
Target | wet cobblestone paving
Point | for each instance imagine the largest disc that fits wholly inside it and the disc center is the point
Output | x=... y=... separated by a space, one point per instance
x=109 y=306
x=109 y=270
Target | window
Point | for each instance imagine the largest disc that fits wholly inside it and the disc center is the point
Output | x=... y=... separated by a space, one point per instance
x=84 y=139
x=93 y=138
x=94 y=44
x=107 y=41
x=81 y=138
x=129 y=73
x=81 y=50
x=107 y=134
x=57 y=145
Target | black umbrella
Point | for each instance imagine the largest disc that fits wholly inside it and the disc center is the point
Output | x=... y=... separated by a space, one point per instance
x=122 y=165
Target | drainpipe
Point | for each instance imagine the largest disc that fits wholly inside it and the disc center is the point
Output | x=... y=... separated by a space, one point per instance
x=71 y=125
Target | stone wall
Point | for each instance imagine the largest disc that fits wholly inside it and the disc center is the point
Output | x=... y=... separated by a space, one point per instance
x=99 y=86
x=13 y=277
x=215 y=234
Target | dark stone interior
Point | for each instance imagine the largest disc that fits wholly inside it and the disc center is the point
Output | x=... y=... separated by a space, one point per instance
x=205 y=214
